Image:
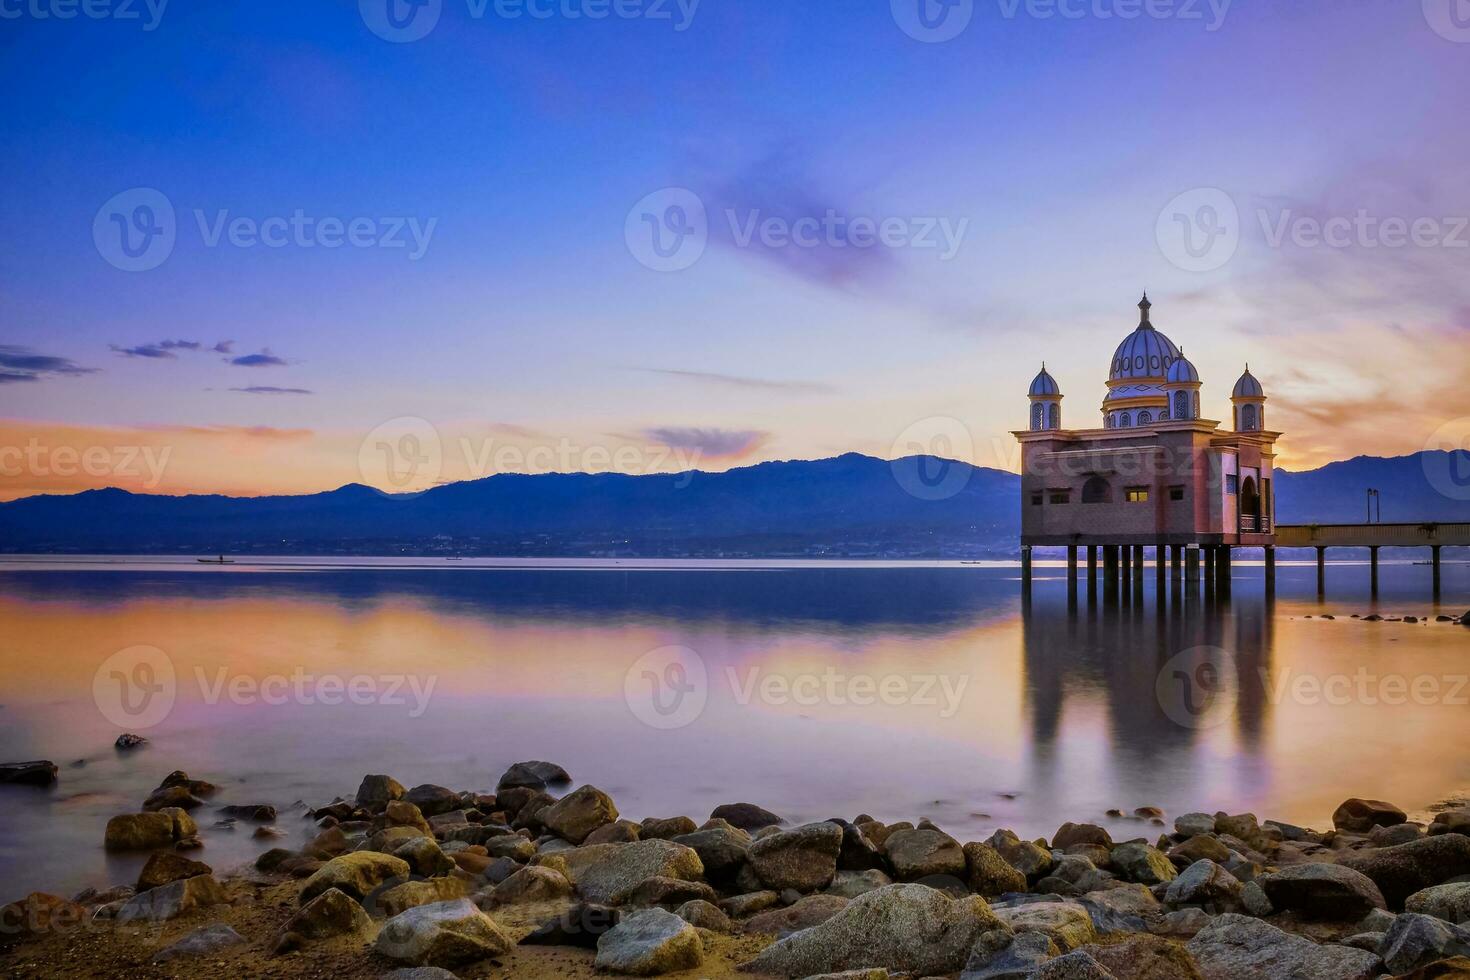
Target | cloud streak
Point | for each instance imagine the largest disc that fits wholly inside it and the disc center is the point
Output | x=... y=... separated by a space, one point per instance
x=263 y=359
x=166 y=349
x=739 y=381
x=710 y=443
x=21 y=365
x=273 y=390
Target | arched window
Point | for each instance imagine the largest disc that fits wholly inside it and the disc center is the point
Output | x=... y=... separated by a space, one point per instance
x=1145 y=417
x=1181 y=404
x=1248 y=418
x=1038 y=412
x=1054 y=416
x=1096 y=491
x=1125 y=420
x=1164 y=415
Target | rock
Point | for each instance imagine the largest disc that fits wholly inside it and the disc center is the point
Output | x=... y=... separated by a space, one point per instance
x=445 y=934
x=810 y=911
x=1455 y=821
x=1207 y=885
x=1198 y=848
x=39 y=914
x=1396 y=834
x=401 y=813
x=1070 y=834
x=804 y=858
x=1127 y=908
x=703 y=915
x=617 y=832
x=432 y=800
x=390 y=839
x=1450 y=902
x=176 y=795
x=205 y=941
x=1233 y=947
x=533 y=884
x=745 y=816
x=1243 y=826
x=1143 y=864
x=581 y=926
x=1357 y=816
x=1194 y=824
x=40 y=773
x=1076 y=965
x=375 y=791
x=184 y=826
x=1031 y=860
x=649 y=943
x=1404 y=869
x=1067 y=925
x=1454 y=968
x=579 y=813
x=425 y=857
x=128 y=740
x=356 y=874
x=412 y=894
x=1322 y=891
x=851 y=884
x=858 y=852
x=667 y=892
x=419 y=973
x=655 y=829
x=139 y=832
x=1417 y=940
x=721 y=849
x=739 y=906
x=165 y=866
x=1002 y=956
x=603 y=873
x=513 y=846
x=910 y=928
x=1145 y=958
x=332 y=913
x=172 y=900
x=988 y=873
x=328 y=844
x=918 y=854
x=533 y=775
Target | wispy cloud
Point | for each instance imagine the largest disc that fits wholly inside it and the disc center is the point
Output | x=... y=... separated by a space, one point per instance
x=273 y=390
x=264 y=359
x=20 y=365
x=710 y=443
x=230 y=431
x=738 y=381
x=166 y=349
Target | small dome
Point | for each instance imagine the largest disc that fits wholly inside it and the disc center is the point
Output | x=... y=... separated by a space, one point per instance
x=1248 y=386
x=1045 y=384
x=1182 y=371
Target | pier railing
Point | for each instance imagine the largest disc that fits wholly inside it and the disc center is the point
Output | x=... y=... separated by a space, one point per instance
x=1421 y=535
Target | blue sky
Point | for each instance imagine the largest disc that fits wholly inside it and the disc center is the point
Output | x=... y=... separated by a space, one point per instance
x=1055 y=142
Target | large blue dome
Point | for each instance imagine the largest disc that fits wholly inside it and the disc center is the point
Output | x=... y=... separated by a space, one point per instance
x=1145 y=353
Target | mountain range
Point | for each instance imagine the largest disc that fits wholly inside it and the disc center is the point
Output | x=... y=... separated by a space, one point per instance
x=847 y=506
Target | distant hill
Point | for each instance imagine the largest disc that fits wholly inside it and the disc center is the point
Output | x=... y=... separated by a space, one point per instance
x=847 y=506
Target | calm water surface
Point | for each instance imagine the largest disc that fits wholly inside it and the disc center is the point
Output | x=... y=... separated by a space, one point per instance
x=815 y=689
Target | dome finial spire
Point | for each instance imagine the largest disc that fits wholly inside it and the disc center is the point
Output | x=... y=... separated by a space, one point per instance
x=1143 y=307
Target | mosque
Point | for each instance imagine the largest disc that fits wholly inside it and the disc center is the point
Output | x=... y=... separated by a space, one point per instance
x=1154 y=472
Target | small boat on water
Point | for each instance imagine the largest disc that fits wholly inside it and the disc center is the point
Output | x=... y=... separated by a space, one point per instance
x=221 y=560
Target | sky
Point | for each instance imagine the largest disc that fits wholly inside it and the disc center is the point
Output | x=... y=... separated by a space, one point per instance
x=277 y=247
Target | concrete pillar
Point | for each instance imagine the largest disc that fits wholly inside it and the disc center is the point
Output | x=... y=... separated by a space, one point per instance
x=1071 y=568
x=1091 y=572
x=1138 y=563
x=1176 y=561
x=1270 y=569
x=1026 y=568
x=1125 y=563
x=1191 y=565
x=1321 y=571
x=1373 y=565
x=1435 y=549
x=1160 y=560
x=1207 y=568
x=1222 y=569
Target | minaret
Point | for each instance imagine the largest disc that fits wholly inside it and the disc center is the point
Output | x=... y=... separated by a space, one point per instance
x=1046 y=402
x=1250 y=403
x=1181 y=387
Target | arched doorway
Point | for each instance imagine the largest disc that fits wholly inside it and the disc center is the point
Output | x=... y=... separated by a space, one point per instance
x=1096 y=491
x=1250 y=505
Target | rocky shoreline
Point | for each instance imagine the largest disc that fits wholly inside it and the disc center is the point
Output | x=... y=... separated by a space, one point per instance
x=538 y=879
